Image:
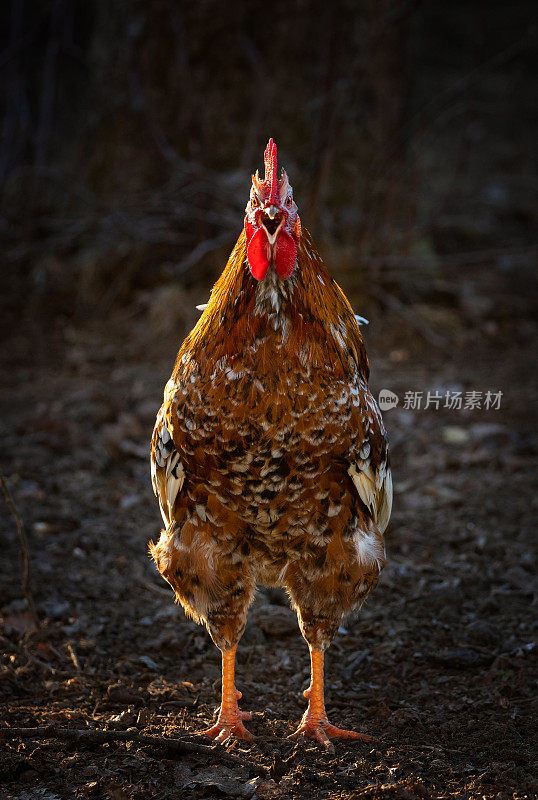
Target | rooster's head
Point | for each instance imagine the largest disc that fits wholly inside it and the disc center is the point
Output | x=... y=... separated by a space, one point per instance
x=272 y=225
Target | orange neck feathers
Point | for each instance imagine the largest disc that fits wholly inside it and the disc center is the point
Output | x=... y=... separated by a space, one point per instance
x=314 y=323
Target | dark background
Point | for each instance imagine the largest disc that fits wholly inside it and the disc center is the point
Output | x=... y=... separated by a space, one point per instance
x=129 y=131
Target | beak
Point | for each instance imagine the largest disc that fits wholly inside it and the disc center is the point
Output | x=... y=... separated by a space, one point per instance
x=272 y=219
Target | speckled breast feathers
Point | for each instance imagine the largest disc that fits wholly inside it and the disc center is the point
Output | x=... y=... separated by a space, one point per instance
x=269 y=456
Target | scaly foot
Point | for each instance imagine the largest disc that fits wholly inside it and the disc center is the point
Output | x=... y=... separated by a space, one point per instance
x=230 y=723
x=223 y=729
x=230 y=719
x=314 y=723
x=322 y=731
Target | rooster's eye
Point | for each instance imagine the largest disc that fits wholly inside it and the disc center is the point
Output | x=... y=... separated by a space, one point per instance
x=254 y=202
x=288 y=200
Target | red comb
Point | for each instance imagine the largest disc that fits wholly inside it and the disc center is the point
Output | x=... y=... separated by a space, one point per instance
x=270 y=162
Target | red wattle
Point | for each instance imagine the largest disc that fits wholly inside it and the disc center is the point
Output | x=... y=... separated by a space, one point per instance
x=285 y=255
x=258 y=254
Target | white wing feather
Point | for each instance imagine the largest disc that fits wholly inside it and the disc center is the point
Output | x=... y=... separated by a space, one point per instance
x=167 y=472
x=375 y=490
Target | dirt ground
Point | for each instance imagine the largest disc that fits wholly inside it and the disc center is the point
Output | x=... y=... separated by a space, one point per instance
x=439 y=666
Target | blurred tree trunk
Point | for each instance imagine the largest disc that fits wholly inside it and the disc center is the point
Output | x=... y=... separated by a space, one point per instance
x=388 y=202
x=323 y=136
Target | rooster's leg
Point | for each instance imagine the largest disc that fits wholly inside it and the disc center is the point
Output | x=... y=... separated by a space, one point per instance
x=314 y=722
x=230 y=719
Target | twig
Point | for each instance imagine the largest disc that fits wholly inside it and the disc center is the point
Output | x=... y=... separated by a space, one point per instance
x=24 y=559
x=104 y=737
x=201 y=250
x=141 y=578
x=73 y=656
x=159 y=591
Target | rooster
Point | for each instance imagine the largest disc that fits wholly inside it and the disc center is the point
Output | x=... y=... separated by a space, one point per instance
x=269 y=457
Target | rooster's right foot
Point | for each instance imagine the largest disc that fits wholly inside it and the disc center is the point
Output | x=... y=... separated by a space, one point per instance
x=230 y=722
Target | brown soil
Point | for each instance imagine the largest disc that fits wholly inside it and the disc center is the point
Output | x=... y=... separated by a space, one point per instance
x=438 y=666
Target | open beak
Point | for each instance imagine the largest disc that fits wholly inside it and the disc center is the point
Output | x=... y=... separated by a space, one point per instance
x=272 y=219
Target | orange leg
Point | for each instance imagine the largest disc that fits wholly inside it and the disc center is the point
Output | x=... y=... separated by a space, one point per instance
x=230 y=719
x=314 y=722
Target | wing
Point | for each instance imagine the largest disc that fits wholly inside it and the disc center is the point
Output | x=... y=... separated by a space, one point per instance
x=167 y=471
x=371 y=470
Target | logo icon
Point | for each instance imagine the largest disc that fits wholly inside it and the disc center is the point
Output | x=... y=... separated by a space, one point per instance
x=387 y=399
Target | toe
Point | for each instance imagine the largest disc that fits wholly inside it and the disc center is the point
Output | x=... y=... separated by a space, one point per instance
x=222 y=731
x=323 y=732
x=222 y=735
x=240 y=732
x=313 y=732
x=212 y=732
x=340 y=733
x=319 y=734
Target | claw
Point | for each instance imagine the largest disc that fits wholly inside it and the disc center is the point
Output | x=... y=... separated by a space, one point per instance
x=223 y=730
x=229 y=723
x=341 y=733
x=322 y=731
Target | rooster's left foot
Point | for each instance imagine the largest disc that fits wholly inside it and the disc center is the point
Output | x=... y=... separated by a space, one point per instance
x=314 y=723
x=322 y=731
x=317 y=726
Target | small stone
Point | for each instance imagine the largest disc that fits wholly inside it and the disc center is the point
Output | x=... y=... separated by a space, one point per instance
x=117 y=693
x=149 y=662
x=452 y=434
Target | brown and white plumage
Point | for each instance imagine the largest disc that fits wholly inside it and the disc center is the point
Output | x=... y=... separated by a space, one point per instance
x=270 y=461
